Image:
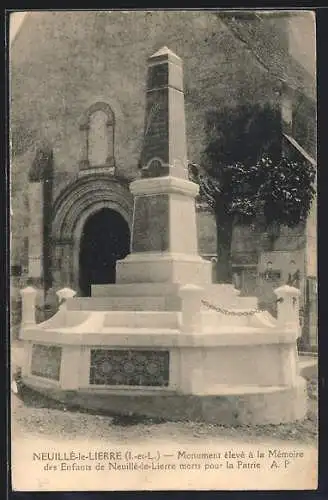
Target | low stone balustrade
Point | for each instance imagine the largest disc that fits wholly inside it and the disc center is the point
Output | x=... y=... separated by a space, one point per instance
x=29 y=303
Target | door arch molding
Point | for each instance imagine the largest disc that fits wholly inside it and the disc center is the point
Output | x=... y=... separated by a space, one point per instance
x=74 y=205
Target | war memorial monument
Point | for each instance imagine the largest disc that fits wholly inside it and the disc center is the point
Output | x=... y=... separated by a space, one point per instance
x=163 y=341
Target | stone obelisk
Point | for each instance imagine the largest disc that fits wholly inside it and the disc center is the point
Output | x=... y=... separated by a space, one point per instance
x=164 y=234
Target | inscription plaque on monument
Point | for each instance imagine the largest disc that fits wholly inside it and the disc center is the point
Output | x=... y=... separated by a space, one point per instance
x=151 y=224
x=46 y=360
x=129 y=367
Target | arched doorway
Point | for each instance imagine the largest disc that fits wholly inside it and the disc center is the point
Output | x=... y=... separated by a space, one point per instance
x=105 y=239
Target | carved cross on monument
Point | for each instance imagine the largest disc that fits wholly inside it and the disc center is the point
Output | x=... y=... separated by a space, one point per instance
x=164 y=233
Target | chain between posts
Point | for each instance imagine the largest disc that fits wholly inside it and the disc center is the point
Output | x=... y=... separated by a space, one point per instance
x=229 y=312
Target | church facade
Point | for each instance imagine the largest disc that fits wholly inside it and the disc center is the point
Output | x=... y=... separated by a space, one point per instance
x=77 y=90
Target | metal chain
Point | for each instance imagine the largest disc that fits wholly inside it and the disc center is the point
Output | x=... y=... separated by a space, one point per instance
x=229 y=312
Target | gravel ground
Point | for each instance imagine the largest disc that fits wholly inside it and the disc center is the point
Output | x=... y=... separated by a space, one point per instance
x=37 y=415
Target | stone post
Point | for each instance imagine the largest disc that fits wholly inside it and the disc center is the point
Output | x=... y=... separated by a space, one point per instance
x=190 y=306
x=28 y=295
x=288 y=319
x=288 y=307
x=64 y=294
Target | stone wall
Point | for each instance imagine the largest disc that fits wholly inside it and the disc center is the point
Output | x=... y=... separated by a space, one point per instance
x=301 y=39
x=63 y=62
x=88 y=56
x=302 y=48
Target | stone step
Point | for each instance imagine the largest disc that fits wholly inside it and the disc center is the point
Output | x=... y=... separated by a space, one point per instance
x=221 y=295
x=135 y=290
x=155 y=311
x=123 y=303
x=142 y=319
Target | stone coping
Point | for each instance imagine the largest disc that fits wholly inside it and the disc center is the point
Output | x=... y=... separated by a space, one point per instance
x=164 y=256
x=166 y=53
x=145 y=337
x=167 y=185
x=134 y=289
x=216 y=390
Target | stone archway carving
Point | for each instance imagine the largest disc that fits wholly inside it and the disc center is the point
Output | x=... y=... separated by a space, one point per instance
x=75 y=204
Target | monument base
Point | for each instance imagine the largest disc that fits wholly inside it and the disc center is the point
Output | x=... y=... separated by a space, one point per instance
x=240 y=369
x=255 y=405
x=153 y=267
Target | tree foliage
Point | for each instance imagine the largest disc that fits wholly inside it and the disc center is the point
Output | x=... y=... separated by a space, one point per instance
x=244 y=174
x=280 y=190
x=241 y=134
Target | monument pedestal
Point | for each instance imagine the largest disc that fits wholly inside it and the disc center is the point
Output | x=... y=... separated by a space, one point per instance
x=163 y=268
x=164 y=244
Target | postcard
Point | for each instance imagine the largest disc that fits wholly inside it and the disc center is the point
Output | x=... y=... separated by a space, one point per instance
x=163 y=249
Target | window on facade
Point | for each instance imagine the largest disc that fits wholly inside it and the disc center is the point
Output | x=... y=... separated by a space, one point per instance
x=98 y=136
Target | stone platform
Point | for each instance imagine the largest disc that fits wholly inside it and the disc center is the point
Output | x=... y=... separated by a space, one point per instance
x=161 y=363
x=238 y=405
